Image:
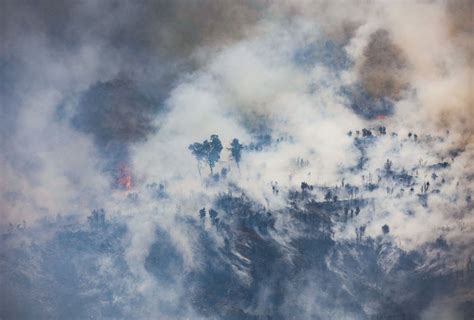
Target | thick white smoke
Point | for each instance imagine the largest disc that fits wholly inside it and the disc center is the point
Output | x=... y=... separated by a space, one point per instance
x=304 y=74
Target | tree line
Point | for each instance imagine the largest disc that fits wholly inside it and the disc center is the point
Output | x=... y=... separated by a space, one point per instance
x=209 y=151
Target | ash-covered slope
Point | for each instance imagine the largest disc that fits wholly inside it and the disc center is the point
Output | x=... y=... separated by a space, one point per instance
x=248 y=261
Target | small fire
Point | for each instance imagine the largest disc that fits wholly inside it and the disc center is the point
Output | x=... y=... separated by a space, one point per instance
x=124 y=177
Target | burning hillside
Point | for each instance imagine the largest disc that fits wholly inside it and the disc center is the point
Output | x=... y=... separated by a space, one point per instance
x=236 y=160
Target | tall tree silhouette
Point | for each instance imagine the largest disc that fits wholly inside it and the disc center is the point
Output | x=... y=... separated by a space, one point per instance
x=200 y=151
x=207 y=151
x=214 y=151
x=236 y=151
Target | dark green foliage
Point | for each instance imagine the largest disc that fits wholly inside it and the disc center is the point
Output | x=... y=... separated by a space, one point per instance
x=200 y=150
x=202 y=213
x=214 y=151
x=236 y=150
x=213 y=213
x=208 y=151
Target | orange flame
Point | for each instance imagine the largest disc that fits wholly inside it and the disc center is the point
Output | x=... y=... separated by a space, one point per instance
x=124 y=177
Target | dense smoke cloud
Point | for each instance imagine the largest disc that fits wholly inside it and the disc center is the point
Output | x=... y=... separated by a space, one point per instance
x=381 y=71
x=352 y=198
x=115 y=111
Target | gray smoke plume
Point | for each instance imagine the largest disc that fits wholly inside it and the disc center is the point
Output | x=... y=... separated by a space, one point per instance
x=351 y=197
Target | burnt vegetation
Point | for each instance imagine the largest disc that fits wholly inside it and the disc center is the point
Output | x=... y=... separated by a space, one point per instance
x=245 y=250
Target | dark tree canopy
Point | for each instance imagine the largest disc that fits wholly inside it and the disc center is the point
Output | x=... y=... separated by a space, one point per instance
x=214 y=151
x=207 y=151
x=213 y=213
x=202 y=213
x=200 y=150
x=236 y=150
